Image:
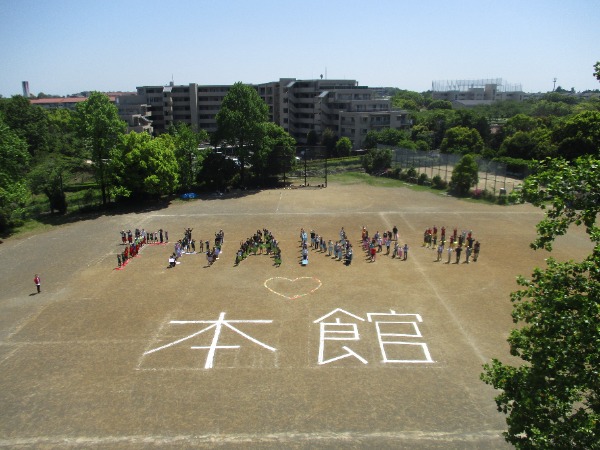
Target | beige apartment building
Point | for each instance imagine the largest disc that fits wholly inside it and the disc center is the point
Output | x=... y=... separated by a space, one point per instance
x=298 y=106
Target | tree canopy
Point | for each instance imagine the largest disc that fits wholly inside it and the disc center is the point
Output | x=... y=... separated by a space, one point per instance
x=464 y=175
x=240 y=121
x=14 y=162
x=462 y=140
x=98 y=124
x=552 y=400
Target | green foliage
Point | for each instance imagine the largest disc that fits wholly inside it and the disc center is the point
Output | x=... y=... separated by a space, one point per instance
x=14 y=160
x=47 y=177
x=240 y=121
x=578 y=135
x=552 y=400
x=328 y=139
x=343 y=147
x=98 y=124
x=597 y=70
x=312 y=138
x=410 y=100
x=275 y=154
x=438 y=183
x=144 y=166
x=377 y=160
x=189 y=156
x=464 y=175
x=29 y=122
x=462 y=140
x=535 y=144
x=217 y=171
x=440 y=104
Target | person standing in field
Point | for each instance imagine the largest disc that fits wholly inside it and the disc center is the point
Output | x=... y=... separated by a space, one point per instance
x=38 y=283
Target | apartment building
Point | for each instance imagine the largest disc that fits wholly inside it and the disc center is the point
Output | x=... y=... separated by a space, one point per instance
x=298 y=106
x=345 y=107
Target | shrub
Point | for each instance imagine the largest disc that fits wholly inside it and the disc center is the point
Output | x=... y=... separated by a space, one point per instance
x=438 y=183
x=422 y=179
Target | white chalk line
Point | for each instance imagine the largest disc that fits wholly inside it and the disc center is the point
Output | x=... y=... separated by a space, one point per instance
x=441 y=300
x=254 y=438
x=502 y=213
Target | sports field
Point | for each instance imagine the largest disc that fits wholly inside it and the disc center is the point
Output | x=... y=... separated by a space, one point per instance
x=372 y=355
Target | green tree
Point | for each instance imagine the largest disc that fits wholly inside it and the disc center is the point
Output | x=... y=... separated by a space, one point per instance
x=240 y=122
x=440 y=104
x=100 y=128
x=377 y=160
x=312 y=138
x=462 y=140
x=520 y=122
x=343 y=147
x=217 y=171
x=552 y=400
x=410 y=100
x=534 y=144
x=28 y=121
x=464 y=175
x=47 y=177
x=142 y=165
x=14 y=162
x=371 y=139
x=328 y=140
x=189 y=156
x=597 y=70
x=275 y=153
x=578 y=135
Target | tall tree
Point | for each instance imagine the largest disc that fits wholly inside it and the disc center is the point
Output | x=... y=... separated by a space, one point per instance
x=189 y=156
x=464 y=175
x=28 y=121
x=275 y=154
x=240 y=122
x=99 y=126
x=343 y=147
x=48 y=177
x=552 y=400
x=14 y=162
x=597 y=70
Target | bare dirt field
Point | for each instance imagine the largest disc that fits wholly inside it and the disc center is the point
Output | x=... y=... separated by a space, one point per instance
x=372 y=355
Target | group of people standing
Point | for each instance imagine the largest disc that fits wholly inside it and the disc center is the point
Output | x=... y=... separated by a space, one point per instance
x=340 y=251
x=374 y=244
x=457 y=243
x=133 y=241
x=261 y=242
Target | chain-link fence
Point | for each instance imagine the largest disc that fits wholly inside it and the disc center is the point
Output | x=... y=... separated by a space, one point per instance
x=495 y=177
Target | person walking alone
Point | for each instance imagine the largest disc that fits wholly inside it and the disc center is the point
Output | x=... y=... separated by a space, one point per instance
x=38 y=283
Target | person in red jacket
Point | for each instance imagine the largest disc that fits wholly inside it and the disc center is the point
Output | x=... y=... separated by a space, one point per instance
x=38 y=283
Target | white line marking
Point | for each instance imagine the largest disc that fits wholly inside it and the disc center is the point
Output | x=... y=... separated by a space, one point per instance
x=419 y=437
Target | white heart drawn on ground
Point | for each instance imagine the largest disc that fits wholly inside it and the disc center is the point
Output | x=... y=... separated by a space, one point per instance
x=293 y=288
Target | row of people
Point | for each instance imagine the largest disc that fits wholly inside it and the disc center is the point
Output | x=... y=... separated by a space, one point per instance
x=151 y=237
x=340 y=251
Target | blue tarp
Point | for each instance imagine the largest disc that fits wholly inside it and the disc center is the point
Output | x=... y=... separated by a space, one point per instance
x=189 y=195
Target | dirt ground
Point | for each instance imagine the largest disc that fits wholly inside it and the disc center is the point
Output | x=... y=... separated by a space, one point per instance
x=372 y=355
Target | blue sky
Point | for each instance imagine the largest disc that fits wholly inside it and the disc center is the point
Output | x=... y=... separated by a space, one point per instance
x=67 y=46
